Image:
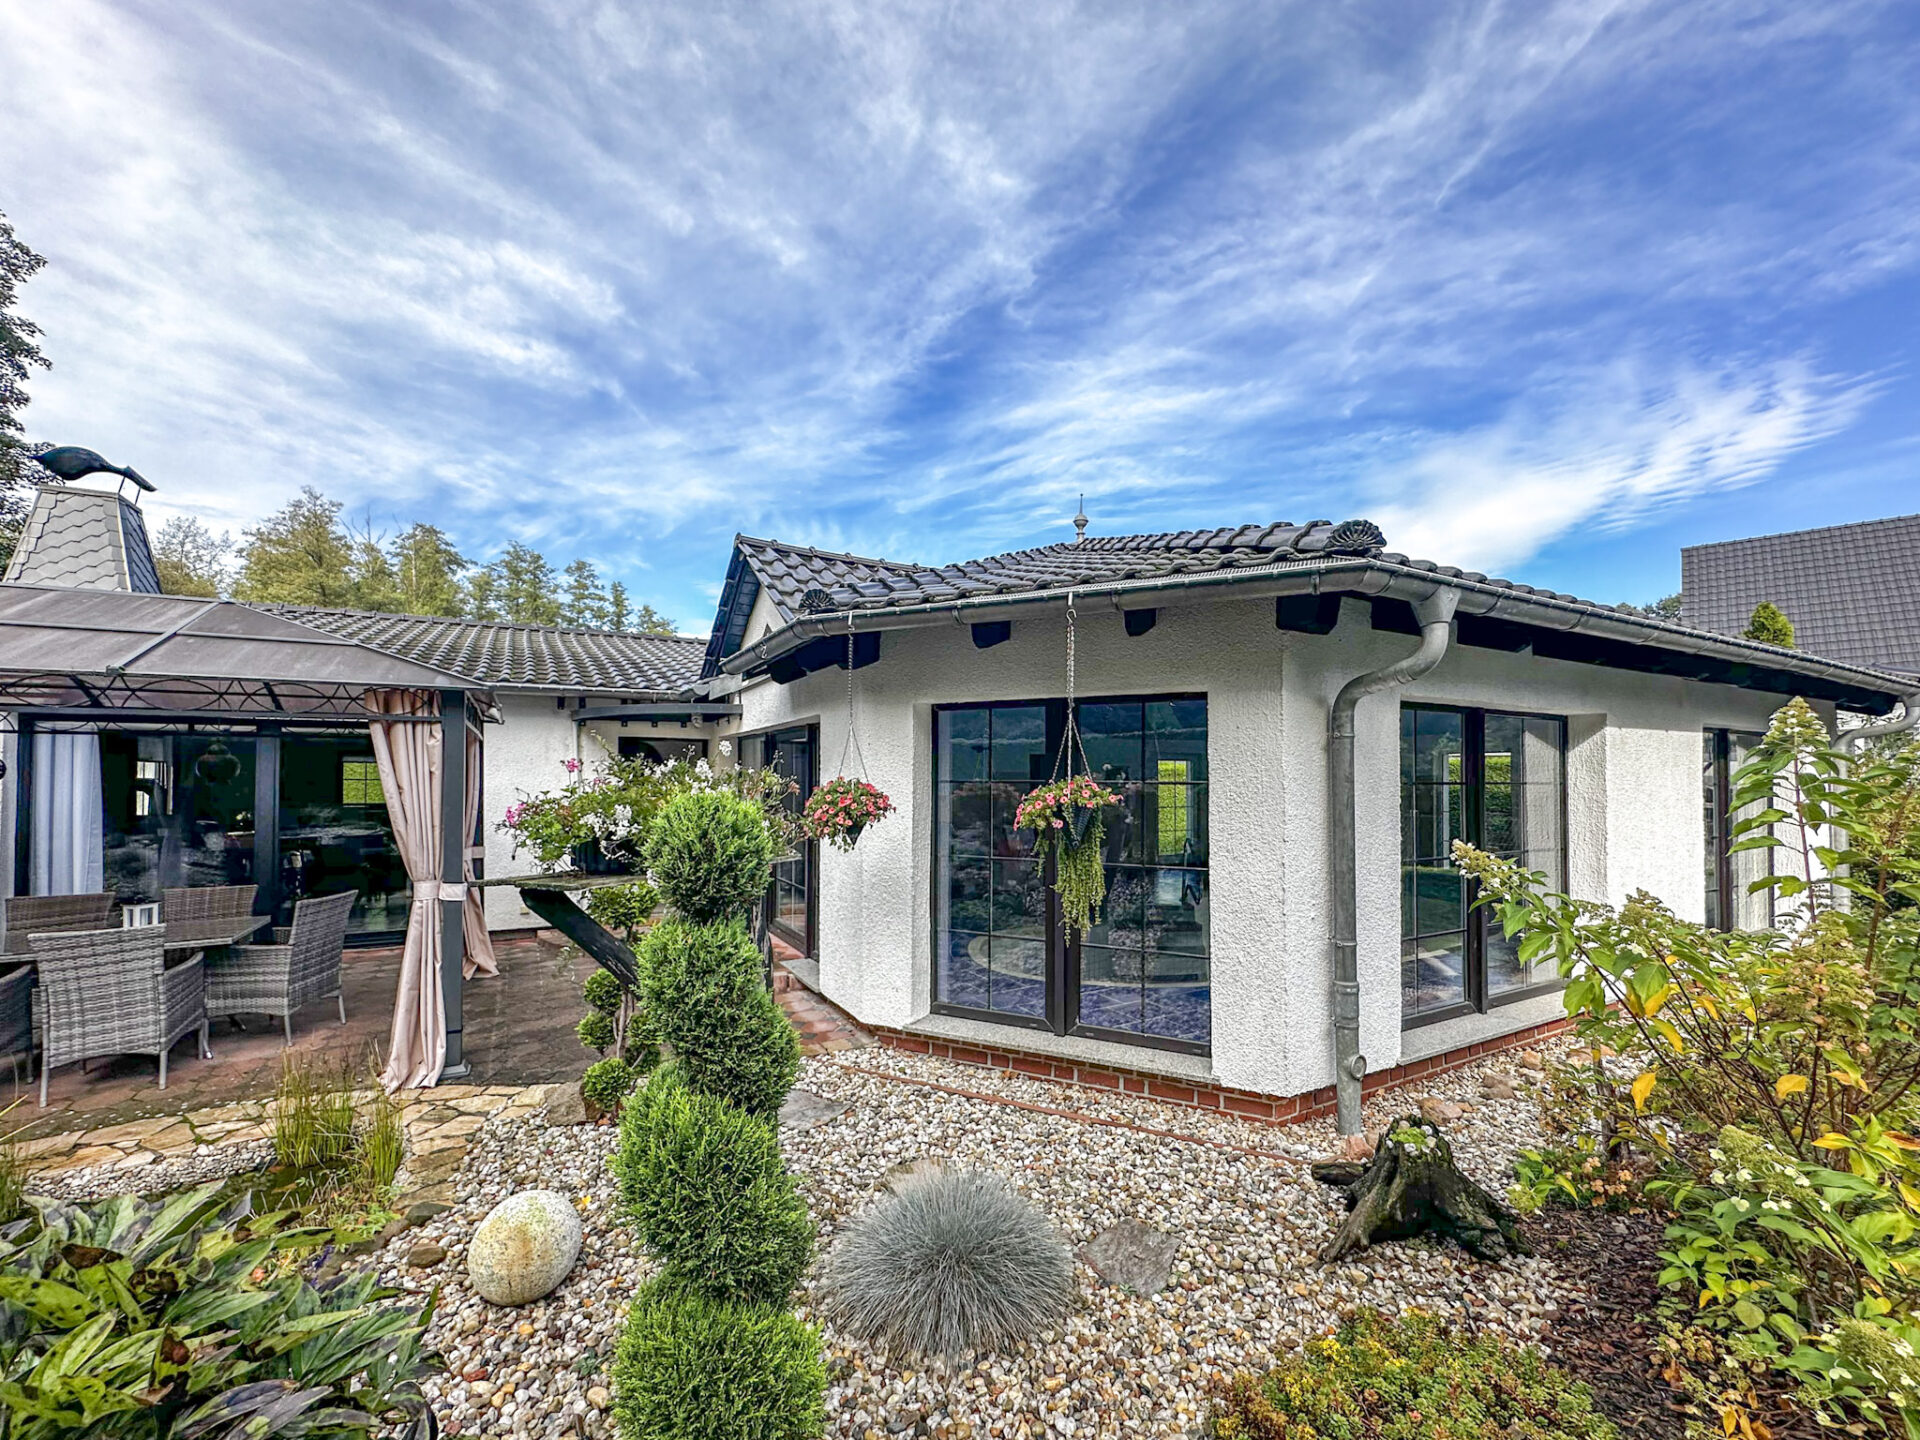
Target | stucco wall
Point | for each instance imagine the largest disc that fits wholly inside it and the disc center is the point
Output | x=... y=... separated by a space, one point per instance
x=1633 y=805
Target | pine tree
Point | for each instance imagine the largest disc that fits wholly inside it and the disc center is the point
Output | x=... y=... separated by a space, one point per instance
x=586 y=605
x=482 y=599
x=1770 y=626
x=19 y=353
x=191 y=559
x=1667 y=607
x=649 y=621
x=428 y=570
x=525 y=588
x=618 y=610
x=300 y=555
x=373 y=582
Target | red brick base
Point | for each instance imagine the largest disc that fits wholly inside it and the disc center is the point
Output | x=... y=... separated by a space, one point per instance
x=1274 y=1109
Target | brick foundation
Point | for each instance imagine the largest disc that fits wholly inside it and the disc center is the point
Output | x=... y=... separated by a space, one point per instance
x=1202 y=1095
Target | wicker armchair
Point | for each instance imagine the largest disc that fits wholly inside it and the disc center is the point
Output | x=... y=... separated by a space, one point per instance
x=109 y=992
x=16 y=1020
x=207 y=902
x=54 y=914
x=302 y=964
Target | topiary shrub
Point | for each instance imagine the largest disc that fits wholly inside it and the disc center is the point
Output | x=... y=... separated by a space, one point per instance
x=705 y=1184
x=1410 y=1379
x=692 y=1368
x=607 y=1083
x=710 y=853
x=704 y=997
x=955 y=1262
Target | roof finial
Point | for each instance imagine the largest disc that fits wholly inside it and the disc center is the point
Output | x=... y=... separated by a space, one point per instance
x=1080 y=521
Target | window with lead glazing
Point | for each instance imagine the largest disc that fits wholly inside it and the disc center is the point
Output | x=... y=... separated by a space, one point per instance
x=1497 y=781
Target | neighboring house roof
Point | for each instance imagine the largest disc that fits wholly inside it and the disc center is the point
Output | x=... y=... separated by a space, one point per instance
x=78 y=539
x=818 y=594
x=1851 y=591
x=503 y=656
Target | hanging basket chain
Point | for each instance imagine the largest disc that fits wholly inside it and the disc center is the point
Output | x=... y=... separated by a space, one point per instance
x=1070 y=743
x=850 y=742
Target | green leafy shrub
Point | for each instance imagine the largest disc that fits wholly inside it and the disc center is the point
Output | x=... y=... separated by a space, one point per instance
x=705 y=1184
x=705 y=997
x=603 y=992
x=1577 y=1174
x=137 y=1319
x=607 y=1083
x=1408 y=1379
x=1765 y=1060
x=692 y=1368
x=624 y=909
x=710 y=853
x=1769 y=625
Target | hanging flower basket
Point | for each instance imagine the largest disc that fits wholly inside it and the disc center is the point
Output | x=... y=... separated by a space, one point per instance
x=1066 y=821
x=840 y=809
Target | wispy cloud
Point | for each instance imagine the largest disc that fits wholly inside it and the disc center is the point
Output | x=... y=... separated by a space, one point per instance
x=909 y=278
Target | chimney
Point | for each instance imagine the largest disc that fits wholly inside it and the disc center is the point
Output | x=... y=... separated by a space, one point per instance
x=81 y=539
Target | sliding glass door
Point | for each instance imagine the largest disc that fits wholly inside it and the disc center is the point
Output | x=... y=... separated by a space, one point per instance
x=334 y=833
x=1143 y=972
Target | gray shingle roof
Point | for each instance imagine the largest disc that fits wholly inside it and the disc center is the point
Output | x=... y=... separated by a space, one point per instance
x=83 y=539
x=506 y=656
x=1852 y=591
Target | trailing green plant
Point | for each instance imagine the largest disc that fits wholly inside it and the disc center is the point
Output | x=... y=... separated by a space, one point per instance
x=1409 y=1378
x=689 y=1367
x=1067 y=821
x=706 y=1187
x=607 y=1083
x=705 y=997
x=710 y=854
x=152 y=1319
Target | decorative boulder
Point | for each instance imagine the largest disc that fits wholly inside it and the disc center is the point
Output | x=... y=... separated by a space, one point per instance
x=524 y=1248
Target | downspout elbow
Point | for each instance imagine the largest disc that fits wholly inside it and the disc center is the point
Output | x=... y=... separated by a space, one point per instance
x=1876 y=729
x=1435 y=613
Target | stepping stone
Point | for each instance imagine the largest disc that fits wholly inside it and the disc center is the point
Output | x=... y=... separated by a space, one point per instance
x=1133 y=1256
x=803 y=1110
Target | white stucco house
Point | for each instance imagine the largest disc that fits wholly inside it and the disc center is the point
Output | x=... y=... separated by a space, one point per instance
x=1209 y=671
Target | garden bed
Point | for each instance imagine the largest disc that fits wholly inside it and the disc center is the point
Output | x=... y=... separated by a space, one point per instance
x=1245 y=1287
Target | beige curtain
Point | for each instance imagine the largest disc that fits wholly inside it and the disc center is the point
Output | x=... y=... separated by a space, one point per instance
x=480 y=959
x=409 y=758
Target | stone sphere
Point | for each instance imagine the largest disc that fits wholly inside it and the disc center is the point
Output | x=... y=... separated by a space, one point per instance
x=524 y=1247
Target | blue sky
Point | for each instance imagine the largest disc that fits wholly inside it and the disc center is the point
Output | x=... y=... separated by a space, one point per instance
x=1544 y=289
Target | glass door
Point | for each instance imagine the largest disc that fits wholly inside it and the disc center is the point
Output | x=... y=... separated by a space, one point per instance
x=795 y=754
x=178 y=811
x=335 y=834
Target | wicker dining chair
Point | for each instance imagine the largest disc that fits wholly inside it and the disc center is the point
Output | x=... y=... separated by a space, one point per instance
x=109 y=992
x=207 y=902
x=16 y=1020
x=302 y=964
x=54 y=914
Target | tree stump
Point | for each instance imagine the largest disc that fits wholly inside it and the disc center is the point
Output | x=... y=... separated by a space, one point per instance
x=1410 y=1187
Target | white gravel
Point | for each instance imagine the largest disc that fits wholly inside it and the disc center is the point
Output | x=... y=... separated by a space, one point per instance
x=1246 y=1287
x=144 y=1173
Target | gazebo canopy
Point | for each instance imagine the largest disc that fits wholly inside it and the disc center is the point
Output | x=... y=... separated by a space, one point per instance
x=172 y=655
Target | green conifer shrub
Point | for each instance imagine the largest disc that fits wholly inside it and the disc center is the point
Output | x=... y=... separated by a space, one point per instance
x=1769 y=625
x=704 y=996
x=710 y=854
x=692 y=1368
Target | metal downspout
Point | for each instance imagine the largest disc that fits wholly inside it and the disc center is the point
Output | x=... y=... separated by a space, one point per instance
x=1435 y=614
x=1873 y=729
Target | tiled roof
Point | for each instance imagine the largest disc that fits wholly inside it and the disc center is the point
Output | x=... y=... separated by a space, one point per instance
x=82 y=539
x=511 y=656
x=1851 y=591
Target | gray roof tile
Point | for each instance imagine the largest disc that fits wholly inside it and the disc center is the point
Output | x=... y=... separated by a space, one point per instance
x=511 y=656
x=1851 y=591
x=81 y=539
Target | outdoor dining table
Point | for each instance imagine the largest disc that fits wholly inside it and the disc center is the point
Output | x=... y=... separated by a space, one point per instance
x=184 y=937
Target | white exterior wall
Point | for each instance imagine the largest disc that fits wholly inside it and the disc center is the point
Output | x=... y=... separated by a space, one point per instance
x=1633 y=777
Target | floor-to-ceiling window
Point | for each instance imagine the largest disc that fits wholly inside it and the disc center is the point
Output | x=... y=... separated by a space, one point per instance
x=1143 y=973
x=178 y=811
x=1497 y=781
x=334 y=832
x=791 y=906
x=1732 y=904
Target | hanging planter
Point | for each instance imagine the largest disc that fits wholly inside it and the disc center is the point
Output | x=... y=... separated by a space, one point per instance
x=1066 y=821
x=839 y=810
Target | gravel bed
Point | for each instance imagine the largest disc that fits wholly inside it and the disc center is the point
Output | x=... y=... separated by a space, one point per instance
x=144 y=1173
x=1245 y=1288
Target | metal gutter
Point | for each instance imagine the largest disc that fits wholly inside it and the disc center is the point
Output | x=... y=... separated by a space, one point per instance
x=1358 y=576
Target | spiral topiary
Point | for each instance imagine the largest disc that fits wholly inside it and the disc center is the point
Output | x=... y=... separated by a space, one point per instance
x=704 y=997
x=705 y=1184
x=710 y=854
x=954 y=1263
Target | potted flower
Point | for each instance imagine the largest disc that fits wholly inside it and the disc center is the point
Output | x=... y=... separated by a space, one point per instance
x=839 y=810
x=1066 y=821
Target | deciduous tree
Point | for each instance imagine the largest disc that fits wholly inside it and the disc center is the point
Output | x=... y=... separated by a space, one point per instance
x=300 y=555
x=19 y=353
x=428 y=570
x=191 y=559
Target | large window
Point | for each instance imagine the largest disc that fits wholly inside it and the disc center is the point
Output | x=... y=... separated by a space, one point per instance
x=1497 y=781
x=1143 y=972
x=1731 y=902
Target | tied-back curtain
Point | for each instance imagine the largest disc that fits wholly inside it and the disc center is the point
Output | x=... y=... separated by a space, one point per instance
x=69 y=818
x=480 y=959
x=408 y=754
